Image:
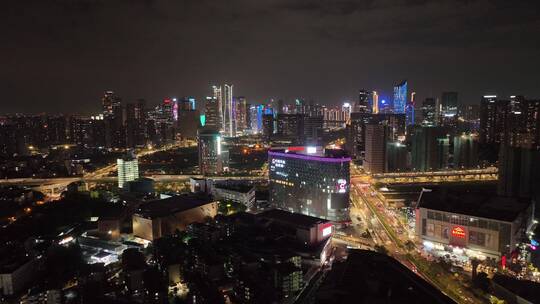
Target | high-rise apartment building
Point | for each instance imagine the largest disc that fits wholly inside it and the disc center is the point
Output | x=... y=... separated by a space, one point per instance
x=466 y=151
x=430 y=147
x=449 y=109
x=375 y=154
x=493 y=119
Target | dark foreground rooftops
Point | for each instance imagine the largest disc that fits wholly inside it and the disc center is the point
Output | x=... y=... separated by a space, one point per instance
x=371 y=277
x=172 y=205
x=480 y=202
x=296 y=219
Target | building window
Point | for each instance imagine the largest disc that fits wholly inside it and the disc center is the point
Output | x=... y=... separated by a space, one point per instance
x=423 y=226
x=430 y=215
x=445 y=233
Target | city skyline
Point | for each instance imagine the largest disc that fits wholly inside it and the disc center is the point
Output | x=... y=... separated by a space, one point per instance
x=479 y=52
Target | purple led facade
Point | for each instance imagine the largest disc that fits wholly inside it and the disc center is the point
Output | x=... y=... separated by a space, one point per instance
x=308 y=157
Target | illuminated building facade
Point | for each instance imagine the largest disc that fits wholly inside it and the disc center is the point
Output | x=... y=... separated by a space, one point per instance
x=429 y=113
x=409 y=110
x=400 y=97
x=473 y=222
x=310 y=181
x=449 y=109
x=128 y=169
x=210 y=153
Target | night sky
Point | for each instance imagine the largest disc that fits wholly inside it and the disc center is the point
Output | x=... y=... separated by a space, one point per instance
x=59 y=56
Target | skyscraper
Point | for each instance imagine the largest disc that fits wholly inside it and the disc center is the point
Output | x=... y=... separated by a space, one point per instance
x=241 y=114
x=362 y=106
x=409 y=110
x=429 y=113
x=429 y=149
x=400 y=97
x=375 y=154
x=128 y=169
x=449 y=109
x=229 y=111
x=212 y=114
x=210 y=152
x=375 y=102
x=493 y=119
x=465 y=151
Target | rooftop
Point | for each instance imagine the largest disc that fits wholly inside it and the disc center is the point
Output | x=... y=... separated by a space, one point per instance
x=295 y=219
x=311 y=153
x=235 y=187
x=371 y=277
x=173 y=205
x=475 y=201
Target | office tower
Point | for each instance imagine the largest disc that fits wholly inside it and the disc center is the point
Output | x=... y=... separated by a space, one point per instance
x=362 y=106
x=346 y=109
x=187 y=104
x=448 y=111
x=429 y=112
x=210 y=153
x=465 y=151
x=375 y=102
x=280 y=106
x=255 y=118
x=429 y=149
x=212 y=114
x=493 y=119
x=241 y=114
x=375 y=154
x=532 y=122
x=396 y=156
x=400 y=97
x=229 y=119
x=409 y=110
x=128 y=169
x=310 y=181
x=109 y=102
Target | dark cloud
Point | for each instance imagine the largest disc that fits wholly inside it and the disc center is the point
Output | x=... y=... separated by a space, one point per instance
x=60 y=55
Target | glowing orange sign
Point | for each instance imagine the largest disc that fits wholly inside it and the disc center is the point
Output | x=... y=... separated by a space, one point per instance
x=458 y=232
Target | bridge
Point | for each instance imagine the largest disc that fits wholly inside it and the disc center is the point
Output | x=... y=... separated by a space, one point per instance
x=484 y=174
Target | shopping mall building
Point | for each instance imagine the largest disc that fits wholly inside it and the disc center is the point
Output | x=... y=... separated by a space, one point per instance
x=474 y=222
x=311 y=181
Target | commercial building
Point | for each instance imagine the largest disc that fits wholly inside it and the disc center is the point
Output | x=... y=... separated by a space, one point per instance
x=473 y=220
x=396 y=157
x=163 y=217
x=362 y=106
x=311 y=181
x=306 y=229
x=212 y=113
x=16 y=273
x=519 y=172
x=128 y=169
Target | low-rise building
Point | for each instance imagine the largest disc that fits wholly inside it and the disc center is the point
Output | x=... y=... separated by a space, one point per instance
x=163 y=217
x=243 y=194
x=16 y=274
x=476 y=220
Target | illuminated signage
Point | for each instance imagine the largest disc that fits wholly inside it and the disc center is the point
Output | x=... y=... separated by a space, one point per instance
x=341 y=186
x=458 y=232
x=311 y=150
x=279 y=163
x=327 y=231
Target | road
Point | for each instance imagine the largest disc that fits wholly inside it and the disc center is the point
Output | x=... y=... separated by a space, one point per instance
x=392 y=233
